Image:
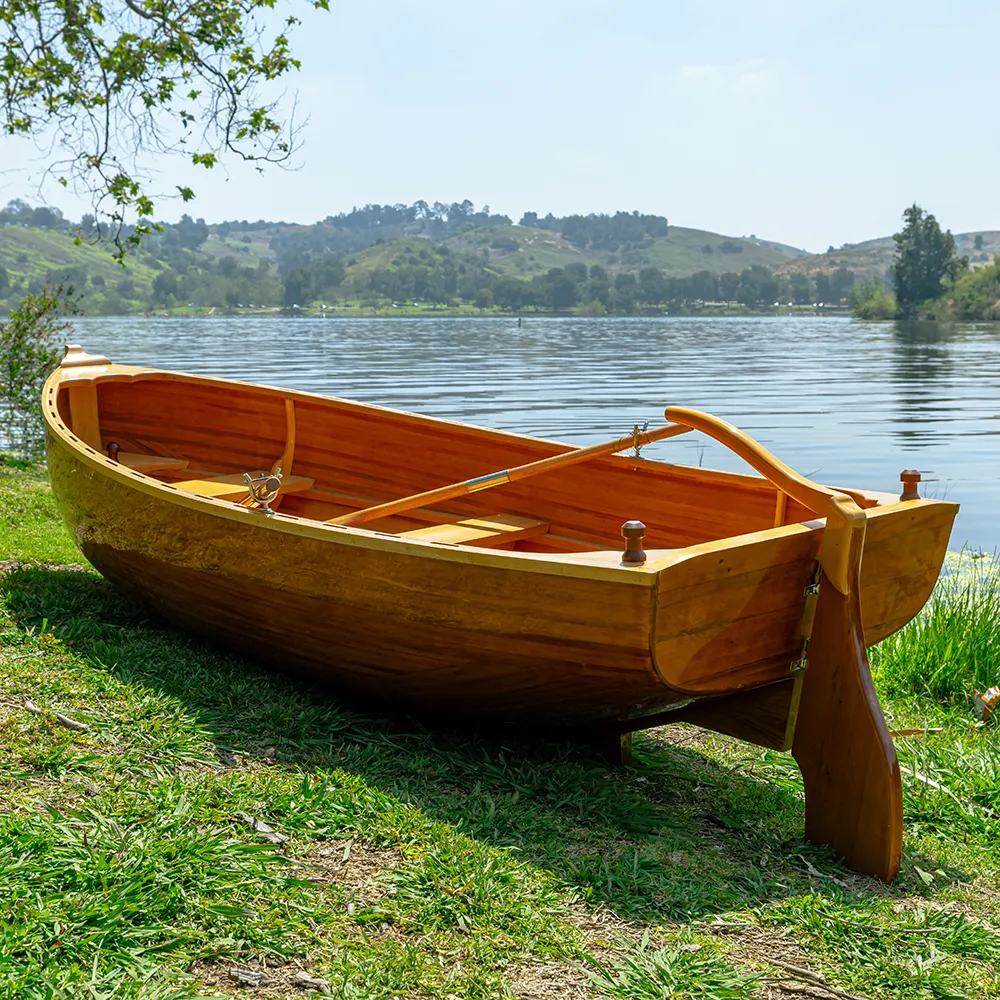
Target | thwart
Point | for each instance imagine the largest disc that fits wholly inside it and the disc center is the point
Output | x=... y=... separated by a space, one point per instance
x=456 y=569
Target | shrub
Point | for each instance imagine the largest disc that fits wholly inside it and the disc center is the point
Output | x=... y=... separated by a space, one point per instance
x=872 y=300
x=505 y=243
x=977 y=294
x=29 y=351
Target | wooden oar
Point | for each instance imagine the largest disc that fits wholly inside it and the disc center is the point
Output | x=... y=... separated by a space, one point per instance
x=636 y=439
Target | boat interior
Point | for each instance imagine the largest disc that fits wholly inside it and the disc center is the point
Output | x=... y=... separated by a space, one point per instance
x=201 y=435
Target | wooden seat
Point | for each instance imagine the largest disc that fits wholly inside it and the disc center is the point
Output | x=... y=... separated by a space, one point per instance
x=484 y=532
x=150 y=463
x=233 y=487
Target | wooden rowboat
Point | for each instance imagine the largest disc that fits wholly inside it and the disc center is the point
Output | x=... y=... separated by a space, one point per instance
x=507 y=595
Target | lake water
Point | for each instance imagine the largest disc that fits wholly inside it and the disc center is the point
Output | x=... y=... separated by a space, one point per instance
x=843 y=402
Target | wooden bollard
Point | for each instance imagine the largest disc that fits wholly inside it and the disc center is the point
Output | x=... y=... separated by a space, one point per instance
x=909 y=478
x=633 y=533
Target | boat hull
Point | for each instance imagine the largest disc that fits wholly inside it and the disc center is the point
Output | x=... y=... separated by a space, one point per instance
x=447 y=634
x=505 y=638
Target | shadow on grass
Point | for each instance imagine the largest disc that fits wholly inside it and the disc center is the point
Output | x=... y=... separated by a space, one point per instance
x=673 y=837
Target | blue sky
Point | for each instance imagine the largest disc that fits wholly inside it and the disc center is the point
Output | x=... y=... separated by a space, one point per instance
x=813 y=122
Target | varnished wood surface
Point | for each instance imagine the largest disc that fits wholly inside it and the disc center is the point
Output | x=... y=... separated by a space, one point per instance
x=150 y=463
x=82 y=399
x=433 y=633
x=543 y=466
x=730 y=617
x=377 y=454
x=723 y=615
x=823 y=501
x=854 y=798
x=512 y=603
x=757 y=716
x=234 y=487
x=500 y=529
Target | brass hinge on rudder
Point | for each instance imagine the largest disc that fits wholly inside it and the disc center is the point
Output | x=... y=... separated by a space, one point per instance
x=797 y=668
x=811 y=594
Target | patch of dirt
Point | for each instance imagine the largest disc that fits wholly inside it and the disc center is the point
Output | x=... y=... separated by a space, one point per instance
x=6 y=565
x=549 y=981
x=352 y=866
x=9 y=708
x=758 y=947
x=603 y=929
x=972 y=907
x=216 y=976
x=687 y=736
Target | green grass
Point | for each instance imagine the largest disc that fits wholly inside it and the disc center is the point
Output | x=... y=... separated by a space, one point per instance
x=411 y=860
x=30 y=527
x=32 y=255
x=954 y=646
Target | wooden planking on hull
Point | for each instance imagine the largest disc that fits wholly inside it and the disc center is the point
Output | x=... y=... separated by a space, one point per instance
x=905 y=546
x=732 y=616
x=361 y=618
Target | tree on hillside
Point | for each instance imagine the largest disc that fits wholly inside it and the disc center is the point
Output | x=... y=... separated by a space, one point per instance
x=108 y=82
x=560 y=290
x=841 y=282
x=924 y=258
x=801 y=288
x=652 y=285
x=624 y=293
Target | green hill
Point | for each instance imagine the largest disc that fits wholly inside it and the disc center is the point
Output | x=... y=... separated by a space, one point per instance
x=524 y=252
x=421 y=256
x=200 y=266
x=32 y=257
x=873 y=258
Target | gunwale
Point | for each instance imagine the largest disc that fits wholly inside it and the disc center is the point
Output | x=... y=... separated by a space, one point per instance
x=585 y=565
x=656 y=575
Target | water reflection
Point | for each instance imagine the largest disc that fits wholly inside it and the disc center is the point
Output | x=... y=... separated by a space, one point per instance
x=846 y=402
x=922 y=365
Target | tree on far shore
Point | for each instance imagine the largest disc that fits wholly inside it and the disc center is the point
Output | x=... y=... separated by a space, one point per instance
x=925 y=257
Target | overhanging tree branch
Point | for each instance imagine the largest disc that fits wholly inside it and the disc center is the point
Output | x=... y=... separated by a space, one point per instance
x=111 y=80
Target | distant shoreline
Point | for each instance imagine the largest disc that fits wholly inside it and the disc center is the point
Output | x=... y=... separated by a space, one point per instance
x=275 y=313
